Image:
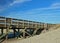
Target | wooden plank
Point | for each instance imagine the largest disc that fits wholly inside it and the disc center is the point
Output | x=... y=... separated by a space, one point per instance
x=35 y=31
x=2 y=36
x=2 y=25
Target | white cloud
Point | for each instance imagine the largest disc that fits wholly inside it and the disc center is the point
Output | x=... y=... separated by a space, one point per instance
x=49 y=14
x=56 y=5
x=2 y=9
x=19 y=1
x=52 y=6
x=6 y=6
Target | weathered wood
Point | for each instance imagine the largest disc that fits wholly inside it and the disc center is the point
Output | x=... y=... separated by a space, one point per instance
x=7 y=31
x=24 y=32
x=35 y=31
x=8 y=23
x=2 y=31
x=20 y=23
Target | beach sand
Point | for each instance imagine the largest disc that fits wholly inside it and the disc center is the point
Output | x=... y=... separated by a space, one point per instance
x=48 y=37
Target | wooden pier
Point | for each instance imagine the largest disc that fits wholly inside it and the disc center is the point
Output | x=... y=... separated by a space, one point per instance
x=22 y=26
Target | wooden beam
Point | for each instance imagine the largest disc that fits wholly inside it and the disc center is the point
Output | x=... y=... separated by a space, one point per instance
x=24 y=32
x=14 y=32
x=18 y=32
x=35 y=31
x=7 y=31
x=2 y=31
x=28 y=34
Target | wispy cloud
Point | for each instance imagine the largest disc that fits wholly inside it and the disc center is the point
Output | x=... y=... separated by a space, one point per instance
x=5 y=4
x=50 y=9
x=2 y=9
x=44 y=14
x=50 y=13
x=18 y=1
x=55 y=5
x=52 y=6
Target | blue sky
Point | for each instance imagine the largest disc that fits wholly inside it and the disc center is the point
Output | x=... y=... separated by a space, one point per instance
x=47 y=11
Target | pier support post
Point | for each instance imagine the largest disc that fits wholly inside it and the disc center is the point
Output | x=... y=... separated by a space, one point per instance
x=7 y=31
x=18 y=34
x=35 y=31
x=2 y=31
x=24 y=32
x=14 y=32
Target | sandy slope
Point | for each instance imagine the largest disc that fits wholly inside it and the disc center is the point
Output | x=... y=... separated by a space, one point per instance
x=48 y=37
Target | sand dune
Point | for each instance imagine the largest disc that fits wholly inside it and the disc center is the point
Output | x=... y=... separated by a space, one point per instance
x=48 y=37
